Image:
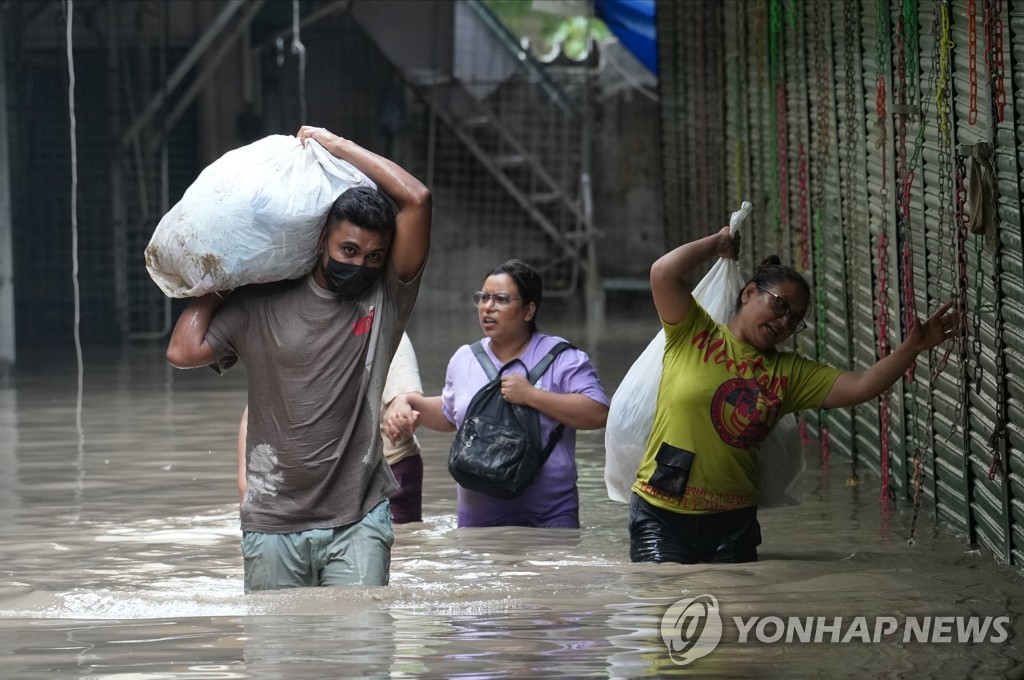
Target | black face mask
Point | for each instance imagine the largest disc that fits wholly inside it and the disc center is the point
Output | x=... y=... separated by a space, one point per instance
x=348 y=280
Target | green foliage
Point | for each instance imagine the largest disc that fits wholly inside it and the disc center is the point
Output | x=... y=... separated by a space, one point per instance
x=548 y=34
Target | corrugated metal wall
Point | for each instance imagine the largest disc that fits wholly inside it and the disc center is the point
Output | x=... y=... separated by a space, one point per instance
x=876 y=140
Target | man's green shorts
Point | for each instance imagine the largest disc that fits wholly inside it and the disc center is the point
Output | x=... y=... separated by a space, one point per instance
x=354 y=554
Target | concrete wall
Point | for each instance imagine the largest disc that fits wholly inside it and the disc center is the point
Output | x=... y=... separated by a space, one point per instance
x=627 y=185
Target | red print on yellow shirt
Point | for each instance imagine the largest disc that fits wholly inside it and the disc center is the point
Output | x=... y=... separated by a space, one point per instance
x=742 y=412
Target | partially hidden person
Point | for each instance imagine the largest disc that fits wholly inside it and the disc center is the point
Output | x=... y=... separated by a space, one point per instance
x=569 y=392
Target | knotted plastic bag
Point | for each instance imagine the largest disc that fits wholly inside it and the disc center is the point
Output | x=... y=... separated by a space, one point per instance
x=252 y=216
x=631 y=412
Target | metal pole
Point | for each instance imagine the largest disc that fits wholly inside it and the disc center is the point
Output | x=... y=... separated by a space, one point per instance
x=7 y=348
x=117 y=193
x=593 y=292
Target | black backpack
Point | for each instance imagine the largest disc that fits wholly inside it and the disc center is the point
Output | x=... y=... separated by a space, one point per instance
x=497 y=450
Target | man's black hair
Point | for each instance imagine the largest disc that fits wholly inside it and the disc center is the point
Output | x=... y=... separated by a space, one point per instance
x=366 y=208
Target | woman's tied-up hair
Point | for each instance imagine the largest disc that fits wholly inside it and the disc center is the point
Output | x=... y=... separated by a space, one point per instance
x=771 y=272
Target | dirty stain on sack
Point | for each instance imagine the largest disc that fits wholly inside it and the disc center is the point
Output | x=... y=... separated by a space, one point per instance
x=210 y=265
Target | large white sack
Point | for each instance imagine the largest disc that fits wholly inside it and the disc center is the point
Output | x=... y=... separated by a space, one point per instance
x=631 y=412
x=252 y=216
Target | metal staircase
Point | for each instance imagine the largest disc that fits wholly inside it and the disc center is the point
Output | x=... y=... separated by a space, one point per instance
x=526 y=132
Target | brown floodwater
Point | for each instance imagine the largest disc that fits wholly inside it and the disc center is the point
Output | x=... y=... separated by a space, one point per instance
x=120 y=557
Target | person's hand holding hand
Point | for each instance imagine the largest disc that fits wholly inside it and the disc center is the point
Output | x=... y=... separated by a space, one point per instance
x=399 y=419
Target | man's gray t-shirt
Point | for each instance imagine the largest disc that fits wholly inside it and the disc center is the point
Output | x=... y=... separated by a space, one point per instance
x=316 y=366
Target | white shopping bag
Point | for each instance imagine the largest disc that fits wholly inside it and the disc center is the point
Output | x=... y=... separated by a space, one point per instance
x=631 y=413
x=252 y=216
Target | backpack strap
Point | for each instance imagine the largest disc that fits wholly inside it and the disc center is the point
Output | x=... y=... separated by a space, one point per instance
x=533 y=377
x=545 y=362
x=481 y=355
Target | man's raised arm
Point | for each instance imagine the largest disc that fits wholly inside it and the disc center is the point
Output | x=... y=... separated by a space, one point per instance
x=412 y=234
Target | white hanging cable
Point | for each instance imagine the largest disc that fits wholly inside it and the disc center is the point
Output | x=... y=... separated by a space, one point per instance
x=299 y=49
x=74 y=247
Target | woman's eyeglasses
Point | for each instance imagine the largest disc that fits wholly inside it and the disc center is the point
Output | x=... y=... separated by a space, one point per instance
x=481 y=298
x=782 y=309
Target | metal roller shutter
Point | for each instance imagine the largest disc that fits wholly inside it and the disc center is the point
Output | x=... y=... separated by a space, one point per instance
x=800 y=129
x=914 y=99
x=974 y=124
x=943 y=467
x=850 y=138
x=827 y=258
x=857 y=225
x=1008 y=264
x=881 y=169
x=761 y=231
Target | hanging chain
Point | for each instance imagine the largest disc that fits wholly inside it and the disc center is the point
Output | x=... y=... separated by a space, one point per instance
x=994 y=50
x=972 y=62
x=884 y=406
x=941 y=55
x=851 y=35
x=905 y=176
x=882 y=45
x=994 y=55
x=907 y=56
x=739 y=119
x=998 y=438
x=921 y=451
x=805 y=231
x=782 y=153
x=702 y=133
x=979 y=305
x=822 y=145
x=961 y=282
x=781 y=132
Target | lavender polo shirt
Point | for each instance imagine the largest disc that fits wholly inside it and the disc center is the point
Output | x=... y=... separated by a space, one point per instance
x=551 y=500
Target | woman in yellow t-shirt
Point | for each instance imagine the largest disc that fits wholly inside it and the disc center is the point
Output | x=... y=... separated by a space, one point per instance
x=723 y=388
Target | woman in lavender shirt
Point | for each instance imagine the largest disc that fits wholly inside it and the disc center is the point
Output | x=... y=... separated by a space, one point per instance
x=569 y=392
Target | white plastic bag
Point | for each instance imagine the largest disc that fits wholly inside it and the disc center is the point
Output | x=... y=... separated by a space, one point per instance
x=252 y=216
x=630 y=418
x=631 y=412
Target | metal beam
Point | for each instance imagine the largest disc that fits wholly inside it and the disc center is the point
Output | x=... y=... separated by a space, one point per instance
x=194 y=54
x=209 y=68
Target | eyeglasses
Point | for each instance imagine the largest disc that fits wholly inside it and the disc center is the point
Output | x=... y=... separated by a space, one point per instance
x=481 y=298
x=782 y=309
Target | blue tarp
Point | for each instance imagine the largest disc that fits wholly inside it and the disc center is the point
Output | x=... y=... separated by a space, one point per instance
x=632 y=22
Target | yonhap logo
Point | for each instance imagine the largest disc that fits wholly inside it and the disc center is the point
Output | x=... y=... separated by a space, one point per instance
x=691 y=628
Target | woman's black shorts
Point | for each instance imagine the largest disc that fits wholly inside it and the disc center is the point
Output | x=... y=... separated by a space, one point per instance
x=658 y=535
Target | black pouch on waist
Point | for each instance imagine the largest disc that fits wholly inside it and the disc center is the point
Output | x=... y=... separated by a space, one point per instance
x=673 y=469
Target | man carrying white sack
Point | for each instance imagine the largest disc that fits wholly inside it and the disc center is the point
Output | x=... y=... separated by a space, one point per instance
x=317 y=351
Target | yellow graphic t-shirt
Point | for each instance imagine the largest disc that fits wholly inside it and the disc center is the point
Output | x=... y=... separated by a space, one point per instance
x=718 y=400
